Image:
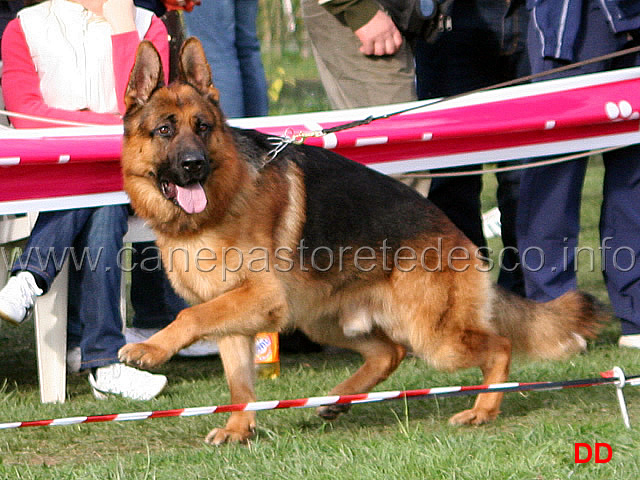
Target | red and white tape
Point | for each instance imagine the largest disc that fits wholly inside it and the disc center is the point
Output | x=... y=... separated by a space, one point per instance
x=612 y=377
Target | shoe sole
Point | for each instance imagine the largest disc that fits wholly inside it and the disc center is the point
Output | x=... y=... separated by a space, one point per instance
x=101 y=395
x=13 y=321
x=98 y=394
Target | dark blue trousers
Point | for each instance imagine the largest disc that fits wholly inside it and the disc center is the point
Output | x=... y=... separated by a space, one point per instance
x=548 y=219
x=154 y=301
x=486 y=46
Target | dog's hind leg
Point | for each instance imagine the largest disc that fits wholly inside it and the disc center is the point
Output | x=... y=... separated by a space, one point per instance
x=490 y=352
x=381 y=357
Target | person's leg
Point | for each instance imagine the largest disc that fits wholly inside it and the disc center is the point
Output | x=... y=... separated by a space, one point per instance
x=508 y=194
x=94 y=286
x=254 y=81
x=49 y=244
x=34 y=271
x=459 y=199
x=153 y=299
x=620 y=227
x=94 y=304
x=486 y=46
x=620 y=235
x=513 y=63
x=350 y=78
x=548 y=212
x=91 y=239
x=213 y=23
x=461 y=60
x=548 y=223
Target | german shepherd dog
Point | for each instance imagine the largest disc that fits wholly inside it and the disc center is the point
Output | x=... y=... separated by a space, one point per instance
x=311 y=240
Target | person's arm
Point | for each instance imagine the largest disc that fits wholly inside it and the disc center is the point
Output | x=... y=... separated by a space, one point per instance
x=21 y=87
x=125 y=46
x=373 y=27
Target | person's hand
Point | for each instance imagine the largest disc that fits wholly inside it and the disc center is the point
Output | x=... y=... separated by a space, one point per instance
x=379 y=36
x=120 y=14
x=186 y=5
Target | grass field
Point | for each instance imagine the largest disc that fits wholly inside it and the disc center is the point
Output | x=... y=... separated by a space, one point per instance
x=533 y=438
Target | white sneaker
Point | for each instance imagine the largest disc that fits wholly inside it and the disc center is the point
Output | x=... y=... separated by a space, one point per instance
x=201 y=348
x=631 y=341
x=120 y=379
x=17 y=298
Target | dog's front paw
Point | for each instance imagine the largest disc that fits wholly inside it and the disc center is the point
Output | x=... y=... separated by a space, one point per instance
x=218 y=436
x=143 y=355
x=239 y=429
x=473 y=416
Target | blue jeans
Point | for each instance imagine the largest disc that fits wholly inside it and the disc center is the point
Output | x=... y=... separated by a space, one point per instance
x=228 y=33
x=92 y=240
x=548 y=220
x=486 y=46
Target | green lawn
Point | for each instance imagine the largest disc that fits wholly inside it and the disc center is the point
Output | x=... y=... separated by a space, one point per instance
x=534 y=438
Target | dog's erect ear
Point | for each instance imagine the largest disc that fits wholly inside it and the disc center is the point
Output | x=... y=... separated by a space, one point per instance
x=145 y=77
x=195 y=70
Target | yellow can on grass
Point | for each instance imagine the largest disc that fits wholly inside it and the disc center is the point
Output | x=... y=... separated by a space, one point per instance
x=267 y=356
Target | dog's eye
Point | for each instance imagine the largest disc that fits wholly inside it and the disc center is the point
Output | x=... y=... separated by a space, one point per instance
x=163 y=130
x=203 y=127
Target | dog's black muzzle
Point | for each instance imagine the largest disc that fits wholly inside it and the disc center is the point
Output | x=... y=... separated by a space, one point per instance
x=192 y=167
x=186 y=168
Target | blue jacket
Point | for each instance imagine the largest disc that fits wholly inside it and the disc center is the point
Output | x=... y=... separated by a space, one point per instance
x=558 y=21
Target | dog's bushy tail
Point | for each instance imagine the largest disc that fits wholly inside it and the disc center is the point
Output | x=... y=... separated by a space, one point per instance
x=552 y=330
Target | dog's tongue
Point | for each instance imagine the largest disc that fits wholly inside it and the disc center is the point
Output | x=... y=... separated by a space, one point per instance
x=192 y=198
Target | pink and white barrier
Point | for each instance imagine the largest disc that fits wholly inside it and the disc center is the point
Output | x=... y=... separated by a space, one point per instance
x=56 y=168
